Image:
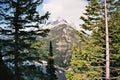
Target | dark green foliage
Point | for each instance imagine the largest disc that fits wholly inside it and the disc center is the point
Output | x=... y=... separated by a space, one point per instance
x=21 y=17
x=114 y=44
x=5 y=72
x=88 y=61
x=50 y=65
x=5 y=51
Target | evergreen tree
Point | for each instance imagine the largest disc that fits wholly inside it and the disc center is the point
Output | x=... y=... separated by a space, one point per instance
x=21 y=15
x=89 y=60
x=4 y=41
x=50 y=65
x=115 y=45
x=5 y=51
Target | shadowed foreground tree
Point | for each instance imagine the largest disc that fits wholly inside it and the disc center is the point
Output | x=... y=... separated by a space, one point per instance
x=5 y=41
x=5 y=71
x=50 y=65
x=23 y=19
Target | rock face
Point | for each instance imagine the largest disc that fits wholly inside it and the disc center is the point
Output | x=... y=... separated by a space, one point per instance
x=64 y=38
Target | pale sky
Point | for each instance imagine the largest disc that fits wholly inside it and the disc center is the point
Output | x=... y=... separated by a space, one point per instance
x=70 y=10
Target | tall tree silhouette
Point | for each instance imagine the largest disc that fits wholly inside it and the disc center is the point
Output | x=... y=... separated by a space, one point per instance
x=23 y=19
x=50 y=65
x=5 y=41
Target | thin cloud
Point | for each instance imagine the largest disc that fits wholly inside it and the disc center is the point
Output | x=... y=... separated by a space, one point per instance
x=70 y=10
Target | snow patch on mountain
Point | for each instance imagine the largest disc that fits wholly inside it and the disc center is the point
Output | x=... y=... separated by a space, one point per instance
x=57 y=22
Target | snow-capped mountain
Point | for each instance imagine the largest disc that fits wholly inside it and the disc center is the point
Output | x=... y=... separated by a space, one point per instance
x=52 y=24
x=64 y=38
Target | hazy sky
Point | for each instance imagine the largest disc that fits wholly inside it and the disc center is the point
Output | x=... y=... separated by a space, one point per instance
x=70 y=10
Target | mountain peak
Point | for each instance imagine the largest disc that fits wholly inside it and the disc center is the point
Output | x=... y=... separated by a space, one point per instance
x=57 y=21
x=64 y=38
x=54 y=23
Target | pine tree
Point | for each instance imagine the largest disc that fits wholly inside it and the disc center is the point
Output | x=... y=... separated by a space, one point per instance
x=85 y=60
x=50 y=65
x=89 y=60
x=5 y=51
x=4 y=41
x=115 y=46
x=20 y=15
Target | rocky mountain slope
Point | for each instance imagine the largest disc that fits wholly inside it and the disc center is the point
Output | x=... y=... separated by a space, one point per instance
x=64 y=38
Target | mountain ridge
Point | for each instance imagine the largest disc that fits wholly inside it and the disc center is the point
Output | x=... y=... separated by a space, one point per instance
x=64 y=38
x=52 y=24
